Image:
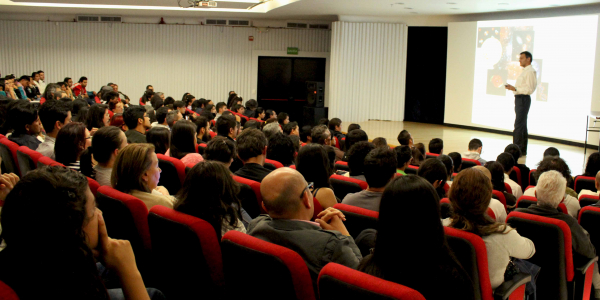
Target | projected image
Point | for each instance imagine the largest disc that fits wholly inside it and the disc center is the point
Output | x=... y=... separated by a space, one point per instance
x=495 y=82
x=542 y=92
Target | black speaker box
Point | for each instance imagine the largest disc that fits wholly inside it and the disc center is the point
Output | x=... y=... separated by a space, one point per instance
x=315 y=96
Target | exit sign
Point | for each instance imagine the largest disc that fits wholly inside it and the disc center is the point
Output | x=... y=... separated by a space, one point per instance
x=292 y=50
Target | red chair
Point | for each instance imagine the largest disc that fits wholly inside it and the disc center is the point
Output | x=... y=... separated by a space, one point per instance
x=340 y=282
x=2 y=136
x=431 y=155
x=94 y=185
x=554 y=254
x=47 y=162
x=411 y=170
x=529 y=187
x=213 y=122
x=200 y=148
x=8 y=152
x=469 y=163
x=274 y=163
x=6 y=293
x=293 y=167
x=589 y=219
x=256 y=208
x=532 y=180
x=318 y=208
x=585 y=183
x=446 y=188
x=185 y=245
x=212 y=134
x=526 y=201
x=508 y=188
x=284 y=270
x=343 y=185
x=342 y=165
x=515 y=175
x=586 y=200
x=27 y=159
x=357 y=218
x=173 y=173
x=471 y=252
x=500 y=197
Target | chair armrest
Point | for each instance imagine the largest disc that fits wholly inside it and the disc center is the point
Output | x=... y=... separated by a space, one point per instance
x=590 y=263
x=508 y=287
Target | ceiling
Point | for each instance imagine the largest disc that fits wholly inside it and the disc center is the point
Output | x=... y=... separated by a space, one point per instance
x=284 y=9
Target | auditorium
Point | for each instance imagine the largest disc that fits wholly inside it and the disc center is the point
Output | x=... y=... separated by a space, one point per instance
x=472 y=127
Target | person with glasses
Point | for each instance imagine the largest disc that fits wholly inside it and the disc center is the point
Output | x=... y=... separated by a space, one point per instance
x=320 y=134
x=71 y=141
x=290 y=205
x=137 y=120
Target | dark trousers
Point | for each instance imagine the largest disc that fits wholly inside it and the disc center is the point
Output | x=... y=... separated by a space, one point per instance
x=522 y=104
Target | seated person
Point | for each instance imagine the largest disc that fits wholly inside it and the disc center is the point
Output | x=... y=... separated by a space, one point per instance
x=281 y=149
x=405 y=139
x=592 y=166
x=470 y=196
x=283 y=118
x=314 y=164
x=227 y=126
x=60 y=201
x=159 y=137
x=380 y=142
x=403 y=157
x=271 y=129
x=390 y=262
x=251 y=106
x=202 y=130
x=508 y=162
x=515 y=151
x=252 y=150
x=379 y=169
x=183 y=143
x=54 y=115
x=418 y=155
x=292 y=130
x=497 y=172
x=475 y=146
x=496 y=206
x=321 y=135
x=71 y=141
x=456 y=161
x=305 y=134
x=97 y=117
x=335 y=126
x=356 y=159
x=137 y=120
x=220 y=207
x=550 y=190
x=24 y=119
x=107 y=143
x=436 y=146
x=353 y=137
x=588 y=192
x=353 y=126
x=290 y=205
x=136 y=172
x=558 y=164
x=551 y=151
x=449 y=164
x=435 y=172
x=220 y=150
x=161 y=118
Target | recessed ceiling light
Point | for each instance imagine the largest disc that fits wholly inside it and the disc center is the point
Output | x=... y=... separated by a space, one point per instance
x=408 y=8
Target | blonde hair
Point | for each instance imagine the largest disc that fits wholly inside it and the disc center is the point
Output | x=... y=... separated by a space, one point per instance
x=550 y=189
x=130 y=165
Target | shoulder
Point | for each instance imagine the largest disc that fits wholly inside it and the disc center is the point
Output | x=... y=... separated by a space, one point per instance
x=326 y=192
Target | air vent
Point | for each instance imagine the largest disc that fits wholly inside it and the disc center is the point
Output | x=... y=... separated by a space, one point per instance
x=110 y=19
x=239 y=23
x=88 y=19
x=297 y=25
x=318 y=26
x=216 y=22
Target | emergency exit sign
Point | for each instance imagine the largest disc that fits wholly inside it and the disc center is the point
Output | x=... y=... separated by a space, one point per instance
x=292 y=50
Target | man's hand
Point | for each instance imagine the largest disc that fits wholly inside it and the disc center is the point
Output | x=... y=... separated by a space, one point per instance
x=331 y=219
x=509 y=87
x=7 y=183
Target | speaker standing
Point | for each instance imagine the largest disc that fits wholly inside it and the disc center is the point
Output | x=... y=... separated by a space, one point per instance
x=524 y=87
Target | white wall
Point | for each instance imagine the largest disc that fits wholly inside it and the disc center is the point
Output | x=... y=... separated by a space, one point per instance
x=368 y=68
x=207 y=61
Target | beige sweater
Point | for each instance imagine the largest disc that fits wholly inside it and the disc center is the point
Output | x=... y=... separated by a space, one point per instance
x=154 y=198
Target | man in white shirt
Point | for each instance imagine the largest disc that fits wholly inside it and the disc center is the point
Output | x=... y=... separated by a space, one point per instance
x=41 y=83
x=508 y=162
x=161 y=118
x=588 y=192
x=524 y=87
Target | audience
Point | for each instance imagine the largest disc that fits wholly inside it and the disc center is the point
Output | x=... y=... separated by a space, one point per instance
x=405 y=139
x=314 y=164
x=287 y=198
x=221 y=150
x=281 y=149
x=221 y=107
x=161 y=118
x=469 y=197
x=137 y=120
x=593 y=165
x=97 y=118
x=305 y=134
x=252 y=150
x=172 y=117
x=589 y=192
x=498 y=176
x=335 y=126
x=353 y=137
x=106 y=144
x=456 y=161
x=202 y=129
x=160 y=138
x=271 y=129
x=380 y=143
x=356 y=159
x=508 y=162
x=227 y=127
x=321 y=135
x=380 y=168
x=183 y=143
x=404 y=158
x=430 y=257
x=551 y=151
x=136 y=172
x=251 y=106
x=434 y=171
x=54 y=115
x=515 y=151
x=436 y=146
x=495 y=205
x=474 y=152
x=26 y=125
x=283 y=118
x=71 y=141
x=418 y=155
x=292 y=130
x=449 y=164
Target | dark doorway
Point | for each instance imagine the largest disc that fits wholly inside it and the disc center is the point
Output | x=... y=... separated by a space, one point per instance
x=426 y=74
x=282 y=82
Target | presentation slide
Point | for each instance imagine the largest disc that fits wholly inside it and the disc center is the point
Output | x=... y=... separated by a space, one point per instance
x=564 y=51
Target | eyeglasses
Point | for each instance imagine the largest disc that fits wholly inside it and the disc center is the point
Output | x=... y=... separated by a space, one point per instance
x=308 y=186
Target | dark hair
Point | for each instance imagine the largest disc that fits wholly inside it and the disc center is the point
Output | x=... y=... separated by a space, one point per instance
x=109 y=96
x=313 y=163
x=380 y=142
x=269 y=112
x=281 y=118
x=251 y=143
x=528 y=55
x=66 y=80
x=36 y=73
x=252 y=124
x=334 y=123
x=448 y=163
x=231 y=100
x=178 y=104
x=434 y=170
x=104 y=143
x=497 y=172
x=379 y=166
x=506 y=160
x=514 y=150
x=161 y=114
x=169 y=100
x=24 y=77
x=470 y=195
x=198 y=104
x=324 y=121
x=21 y=113
x=199 y=198
x=149 y=86
x=593 y=165
x=220 y=105
x=70 y=142
x=355 y=136
x=132 y=115
x=156 y=101
x=555 y=163
x=220 y=149
x=148 y=94
x=305 y=133
x=353 y=126
x=281 y=148
x=456 y=161
x=51 y=112
x=418 y=156
x=404 y=137
x=183 y=137
x=188 y=99
x=206 y=112
x=201 y=122
x=474 y=144
x=403 y=155
x=436 y=146
x=251 y=104
x=53 y=198
x=551 y=151
x=77 y=105
x=356 y=157
x=82 y=116
x=81 y=79
x=225 y=123
x=289 y=127
x=160 y=137
x=95 y=116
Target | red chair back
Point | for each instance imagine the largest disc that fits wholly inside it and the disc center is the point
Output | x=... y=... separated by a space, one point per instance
x=586 y=200
x=589 y=219
x=342 y=165
x=500 y=197
x=212 y=134
x=318 y=208
x=47 y=161
x=469 y=163
x=284 y=269
x=508 y=188
x=431 y=155
x=6 y=293
x=255 y=186
x=343 y=185
x=274 y=163
x=526 y=201
x=27 y=159
x=532 y=180
x=357 y=218
x=173 y=173
x=340 y=282
x=94 y=185
x=8 y=152
x=411 y=170
x=515 y=175
x=185 y=245
x=585 y=183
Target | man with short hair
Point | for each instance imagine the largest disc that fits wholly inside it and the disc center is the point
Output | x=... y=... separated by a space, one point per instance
x=54 y=115
x=220 y=149
x=293 y=131
x=221 y=107
x=172 y=118
x=456 y=161
x=379 y=169
x=551 y=151
x=251 y=106
x=157 y=102
x=321 y=135
x=25 y=121
x=405 y=138
x=283 y=118
x=30 y=91
x=335 y=126
x=41 y=82
x=508 y=162
x=403 y=157
x=524 y=87
x=161 y=118
x=305 y=134
x=179 y=106
x=137 y=120
x=475 y=148
x=516 y=153
x=227 y=127
x=436 y=146
x=356 y=159
x=150 y=87
x=80 y=88
x=252 y=150
x=290 y=204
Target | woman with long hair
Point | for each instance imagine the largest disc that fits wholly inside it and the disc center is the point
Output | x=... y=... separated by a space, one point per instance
x=314 y=164
x=107 y=143
x=221 y=206
x=70 y=143
x=145 y=100
x=497 y=172
x=429 y=258
x=470 y=196
x=183 y=143
x=593 y=165
x=97 y=118
x=160 y=137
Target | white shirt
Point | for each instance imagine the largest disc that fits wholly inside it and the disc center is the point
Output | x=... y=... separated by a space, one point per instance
x=526 y=82
x=499 y=210
x=587 y=192
x=516 y=189
x=155 y=124
x=41 y=85
x=501 y=247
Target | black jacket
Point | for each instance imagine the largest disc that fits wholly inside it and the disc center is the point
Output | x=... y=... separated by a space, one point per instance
x=254 y=172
